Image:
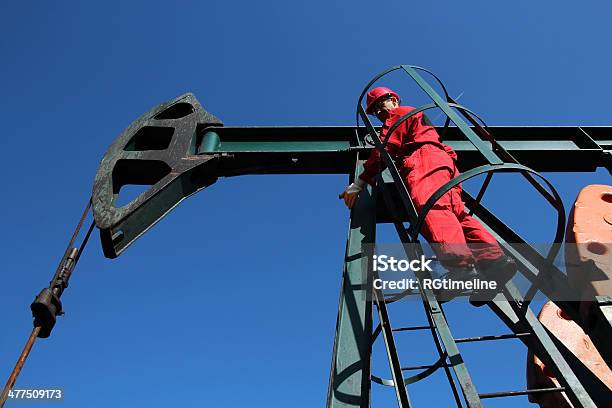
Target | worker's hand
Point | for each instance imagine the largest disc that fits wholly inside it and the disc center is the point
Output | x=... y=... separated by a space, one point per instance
x=351 y=192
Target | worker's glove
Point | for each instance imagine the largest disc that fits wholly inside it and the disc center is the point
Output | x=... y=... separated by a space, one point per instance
x=352 y=191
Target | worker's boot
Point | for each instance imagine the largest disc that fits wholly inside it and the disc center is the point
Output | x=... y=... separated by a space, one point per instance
x=501 y=270
x=456 y=273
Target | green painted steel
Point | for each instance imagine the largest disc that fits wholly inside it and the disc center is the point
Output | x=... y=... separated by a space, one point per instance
x=429 y=301
x=200 y=150
x=437 y=320
x=541 y=342
x=548 y=279
x=542 y=148
x=508 y=309
x=512 y=309
x=401 y=392
x=349 y=383
x=283 y=146
x=210 y=142
x=433 y=310
x=484 y=148
x=278 y=139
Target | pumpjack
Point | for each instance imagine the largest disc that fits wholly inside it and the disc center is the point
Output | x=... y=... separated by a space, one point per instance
x=178 y=149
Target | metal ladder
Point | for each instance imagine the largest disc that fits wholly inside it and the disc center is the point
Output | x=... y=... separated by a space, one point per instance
x=508 y=305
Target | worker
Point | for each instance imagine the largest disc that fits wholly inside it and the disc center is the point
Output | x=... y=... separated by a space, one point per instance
x=425 y=164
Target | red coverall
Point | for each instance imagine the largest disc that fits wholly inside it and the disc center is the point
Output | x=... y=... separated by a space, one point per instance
x=425 y=164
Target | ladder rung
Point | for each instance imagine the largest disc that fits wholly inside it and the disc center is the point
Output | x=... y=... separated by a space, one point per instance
x=421 y=367
x=392 y=296
x=524 y=392
x=412 y=328
x=486 y=338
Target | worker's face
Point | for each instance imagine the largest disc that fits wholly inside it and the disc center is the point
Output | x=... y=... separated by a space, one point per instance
x=383 y=107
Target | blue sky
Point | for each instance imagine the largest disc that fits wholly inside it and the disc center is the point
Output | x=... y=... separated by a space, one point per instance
x=182 y=317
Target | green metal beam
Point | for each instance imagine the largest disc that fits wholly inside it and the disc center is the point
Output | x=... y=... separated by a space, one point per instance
x=542 y=148
x=349 y=382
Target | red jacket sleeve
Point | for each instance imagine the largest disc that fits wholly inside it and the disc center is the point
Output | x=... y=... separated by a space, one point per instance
x=374 y=164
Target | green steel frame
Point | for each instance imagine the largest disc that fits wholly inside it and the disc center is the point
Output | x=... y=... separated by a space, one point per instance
x=509 y=306
x=349 y=382
x=178 y=149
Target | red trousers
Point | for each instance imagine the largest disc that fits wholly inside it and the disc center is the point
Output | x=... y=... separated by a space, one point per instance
x=457 y=238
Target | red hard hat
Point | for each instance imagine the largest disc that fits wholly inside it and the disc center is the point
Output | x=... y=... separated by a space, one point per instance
x=375 y=94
